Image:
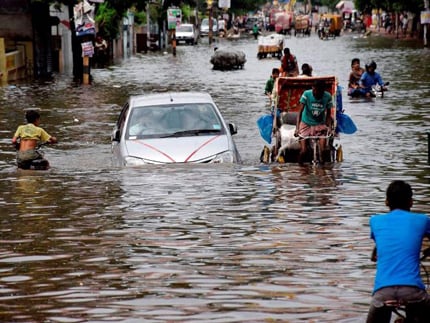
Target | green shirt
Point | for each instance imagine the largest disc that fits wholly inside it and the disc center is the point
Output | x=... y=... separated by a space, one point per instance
x=269 y=85
x=314 y=109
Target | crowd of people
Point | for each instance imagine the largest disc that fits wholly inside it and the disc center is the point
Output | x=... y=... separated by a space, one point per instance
x=398 y=234
x=361 y=80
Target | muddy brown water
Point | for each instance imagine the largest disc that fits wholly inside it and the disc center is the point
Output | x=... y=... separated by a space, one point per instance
x=89 y=242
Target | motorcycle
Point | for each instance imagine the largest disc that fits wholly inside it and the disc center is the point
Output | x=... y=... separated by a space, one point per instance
x=376 y=90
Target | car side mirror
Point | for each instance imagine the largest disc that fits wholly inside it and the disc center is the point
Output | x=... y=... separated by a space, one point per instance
x=233 y=128
x=116 y=135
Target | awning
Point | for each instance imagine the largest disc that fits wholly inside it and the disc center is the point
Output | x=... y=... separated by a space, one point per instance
x=345 y=5
x=340 y=4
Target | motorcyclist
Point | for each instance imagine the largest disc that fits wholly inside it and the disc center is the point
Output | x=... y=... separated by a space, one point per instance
x=398 y=236
x=27 y=137
x=369 y=79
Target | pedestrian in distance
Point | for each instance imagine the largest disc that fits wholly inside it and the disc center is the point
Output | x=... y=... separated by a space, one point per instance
x=100 y=52
x=398 y=237
x=255 y=31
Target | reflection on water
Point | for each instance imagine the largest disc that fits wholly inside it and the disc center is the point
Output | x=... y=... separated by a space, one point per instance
x=86 y=241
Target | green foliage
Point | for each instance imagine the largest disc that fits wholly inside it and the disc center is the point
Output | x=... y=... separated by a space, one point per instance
x=398 y=5
x=245 y=6
x=331 y=4
x=186 y=12
x=139 y=18
x=108 y=20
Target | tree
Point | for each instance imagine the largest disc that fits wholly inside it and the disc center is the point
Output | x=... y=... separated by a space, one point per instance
x=414 y=6
x=109 y=17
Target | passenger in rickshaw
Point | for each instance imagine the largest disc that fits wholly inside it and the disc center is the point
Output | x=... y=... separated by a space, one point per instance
x=306 y=70
x=289 y=66
x=314 y=118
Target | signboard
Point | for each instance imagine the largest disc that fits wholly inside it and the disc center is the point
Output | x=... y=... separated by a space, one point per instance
x=425 y=17
x=224 y=3
x=174 y=17
x=87 y=49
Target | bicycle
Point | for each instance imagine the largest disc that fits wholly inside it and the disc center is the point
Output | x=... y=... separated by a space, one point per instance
x=314 y=145
x=398 y=306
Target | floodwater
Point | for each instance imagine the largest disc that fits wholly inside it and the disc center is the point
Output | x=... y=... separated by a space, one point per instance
x=90 y=242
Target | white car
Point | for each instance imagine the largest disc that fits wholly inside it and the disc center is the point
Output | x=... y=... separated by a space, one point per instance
x=187 y=33
x=177 y=127
x=204 y=27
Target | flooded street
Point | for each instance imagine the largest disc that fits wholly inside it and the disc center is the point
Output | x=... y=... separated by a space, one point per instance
x=89 y=242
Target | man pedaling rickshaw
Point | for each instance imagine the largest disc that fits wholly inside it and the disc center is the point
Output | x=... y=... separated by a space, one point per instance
x=314 y=118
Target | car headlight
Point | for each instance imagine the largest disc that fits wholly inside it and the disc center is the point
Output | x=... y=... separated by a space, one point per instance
x=134 y=161
x=225 y=157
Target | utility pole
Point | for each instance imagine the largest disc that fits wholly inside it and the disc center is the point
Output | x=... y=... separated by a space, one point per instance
x=426 y=9
x=210 y=32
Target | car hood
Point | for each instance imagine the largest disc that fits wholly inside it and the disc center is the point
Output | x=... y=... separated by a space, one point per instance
x=184 y=33
x=178 y=149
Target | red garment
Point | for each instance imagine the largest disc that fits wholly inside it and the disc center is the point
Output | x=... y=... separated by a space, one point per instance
x=289 y=64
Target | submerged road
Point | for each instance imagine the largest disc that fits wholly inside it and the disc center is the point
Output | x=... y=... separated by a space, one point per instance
x=89 y=242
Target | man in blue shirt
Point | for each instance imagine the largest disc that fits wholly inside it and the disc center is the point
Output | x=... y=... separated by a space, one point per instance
x=369 y=79
x=398 y=236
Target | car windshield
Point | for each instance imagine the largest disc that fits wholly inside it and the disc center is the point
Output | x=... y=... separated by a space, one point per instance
x=205 y=23
x=191 y=119
x=186 y=29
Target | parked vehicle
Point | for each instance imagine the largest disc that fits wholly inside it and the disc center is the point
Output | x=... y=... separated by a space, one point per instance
x=250 y=22
x=204 y=27
x=187 y=33
x=176 y=127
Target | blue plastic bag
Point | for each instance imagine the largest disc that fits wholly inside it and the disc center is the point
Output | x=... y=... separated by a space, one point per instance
x=339 y=104
x=265 y=125
x=345 y=124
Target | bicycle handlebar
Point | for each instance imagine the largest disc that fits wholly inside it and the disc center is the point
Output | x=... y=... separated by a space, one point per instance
x=315 y=137
x=426 y=253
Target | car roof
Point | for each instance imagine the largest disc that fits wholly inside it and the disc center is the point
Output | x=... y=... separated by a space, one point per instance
x=167 y=98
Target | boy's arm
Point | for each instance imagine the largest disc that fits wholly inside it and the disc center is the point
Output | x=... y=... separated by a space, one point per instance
x=16 y=136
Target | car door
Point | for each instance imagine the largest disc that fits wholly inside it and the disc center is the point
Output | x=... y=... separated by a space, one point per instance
x=119 y=129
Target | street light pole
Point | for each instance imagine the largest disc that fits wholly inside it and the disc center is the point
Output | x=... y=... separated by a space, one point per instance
x=426 y=8
x=210 y=32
